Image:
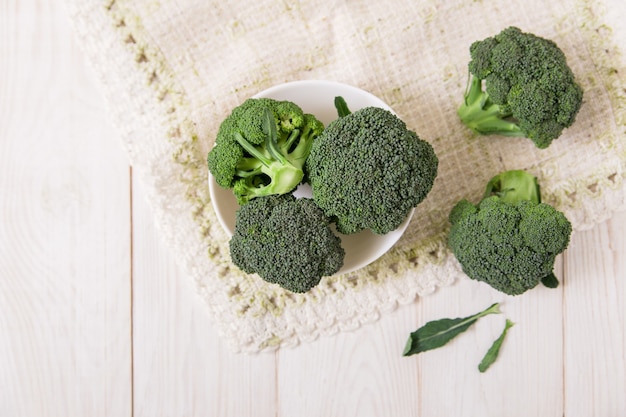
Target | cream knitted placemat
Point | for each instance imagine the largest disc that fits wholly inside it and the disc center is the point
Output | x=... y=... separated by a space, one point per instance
x=171 y=70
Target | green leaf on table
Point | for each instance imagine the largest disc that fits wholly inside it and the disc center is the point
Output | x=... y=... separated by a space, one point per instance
x=494 y=350
x=437 y=333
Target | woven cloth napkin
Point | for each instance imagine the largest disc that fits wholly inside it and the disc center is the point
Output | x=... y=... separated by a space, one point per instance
x=171 y=70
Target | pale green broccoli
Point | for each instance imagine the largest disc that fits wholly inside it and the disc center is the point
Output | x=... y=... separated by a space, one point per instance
x=261 y=147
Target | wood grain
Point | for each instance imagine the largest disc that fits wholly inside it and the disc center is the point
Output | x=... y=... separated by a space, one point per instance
x=181 y=367
x=96 y=319
x=64 y=228
x=595 y=322
x=361 y=373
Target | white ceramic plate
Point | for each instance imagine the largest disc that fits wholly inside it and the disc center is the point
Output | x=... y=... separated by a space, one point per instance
x=317 y=98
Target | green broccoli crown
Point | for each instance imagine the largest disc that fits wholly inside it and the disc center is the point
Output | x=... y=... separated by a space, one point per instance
x=261 y=147
x=509 y=242
x=367 y=170
x=286 y=241
x=529 y=90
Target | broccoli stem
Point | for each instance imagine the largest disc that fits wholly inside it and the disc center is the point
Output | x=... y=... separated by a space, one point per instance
x=295 y=134
x=271 y=143
x=247 y=167
x=283 y=175
x=483 y=116
x=252 y=150
x=271 y=137
x=514 y=186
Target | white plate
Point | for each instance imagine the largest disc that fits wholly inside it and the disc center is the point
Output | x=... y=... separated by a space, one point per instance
x=317 y=98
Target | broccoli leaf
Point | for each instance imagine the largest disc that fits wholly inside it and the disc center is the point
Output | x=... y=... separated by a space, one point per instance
x=342 y=107
x=435 y=334
x=550 y=281
x=494 y=350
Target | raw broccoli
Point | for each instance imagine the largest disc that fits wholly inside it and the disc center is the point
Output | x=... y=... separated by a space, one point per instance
x=261 y=147
x=286 y=241
x=367 y=170
x=529 y=90
x=510 y=239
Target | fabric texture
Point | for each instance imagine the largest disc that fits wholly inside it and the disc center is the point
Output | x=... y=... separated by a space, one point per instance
x=171 y=70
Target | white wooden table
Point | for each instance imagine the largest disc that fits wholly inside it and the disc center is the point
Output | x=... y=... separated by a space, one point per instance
x=96 y=319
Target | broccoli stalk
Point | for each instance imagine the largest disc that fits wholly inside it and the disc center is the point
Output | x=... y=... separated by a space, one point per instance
x=483 y=116
x=510 y=239
x=284 y=169
x=261 y=148
x=513 y=187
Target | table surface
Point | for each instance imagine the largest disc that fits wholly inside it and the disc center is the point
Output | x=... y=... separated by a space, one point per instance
x=96 y=319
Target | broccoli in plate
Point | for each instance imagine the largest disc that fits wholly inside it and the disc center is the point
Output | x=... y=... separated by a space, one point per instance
x=368 y=170
x=261 y=147
x=286 y=241
x=510 y=239
x=520 y=85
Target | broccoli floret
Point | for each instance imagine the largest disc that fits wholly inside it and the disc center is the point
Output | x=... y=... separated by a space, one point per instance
x=286 y=241
x=367 y=170
x=510 y=239
x=261 y=147
x=529 y=90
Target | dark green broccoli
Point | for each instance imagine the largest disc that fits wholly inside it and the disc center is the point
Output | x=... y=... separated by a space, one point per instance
x=510 y=239
x=261 y=147
x=286 y=241
x=367 y=170
x=529 y=90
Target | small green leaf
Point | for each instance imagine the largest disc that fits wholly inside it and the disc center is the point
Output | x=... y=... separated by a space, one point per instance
x=494 y=350
x=437 y=333
x=550 y=281
x=342 y=107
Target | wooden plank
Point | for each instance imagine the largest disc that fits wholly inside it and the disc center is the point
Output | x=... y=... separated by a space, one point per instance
x=363 y=373
x=64 y=228
x=563 y=357
x=359 y=373
x=181 y=366
x=595 y=321
x=527 y=377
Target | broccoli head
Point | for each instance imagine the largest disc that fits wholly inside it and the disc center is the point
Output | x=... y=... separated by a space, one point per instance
x=286 y=241
x=367 y=170
x=261 y=147
x=510 y=239
x=520 y=85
